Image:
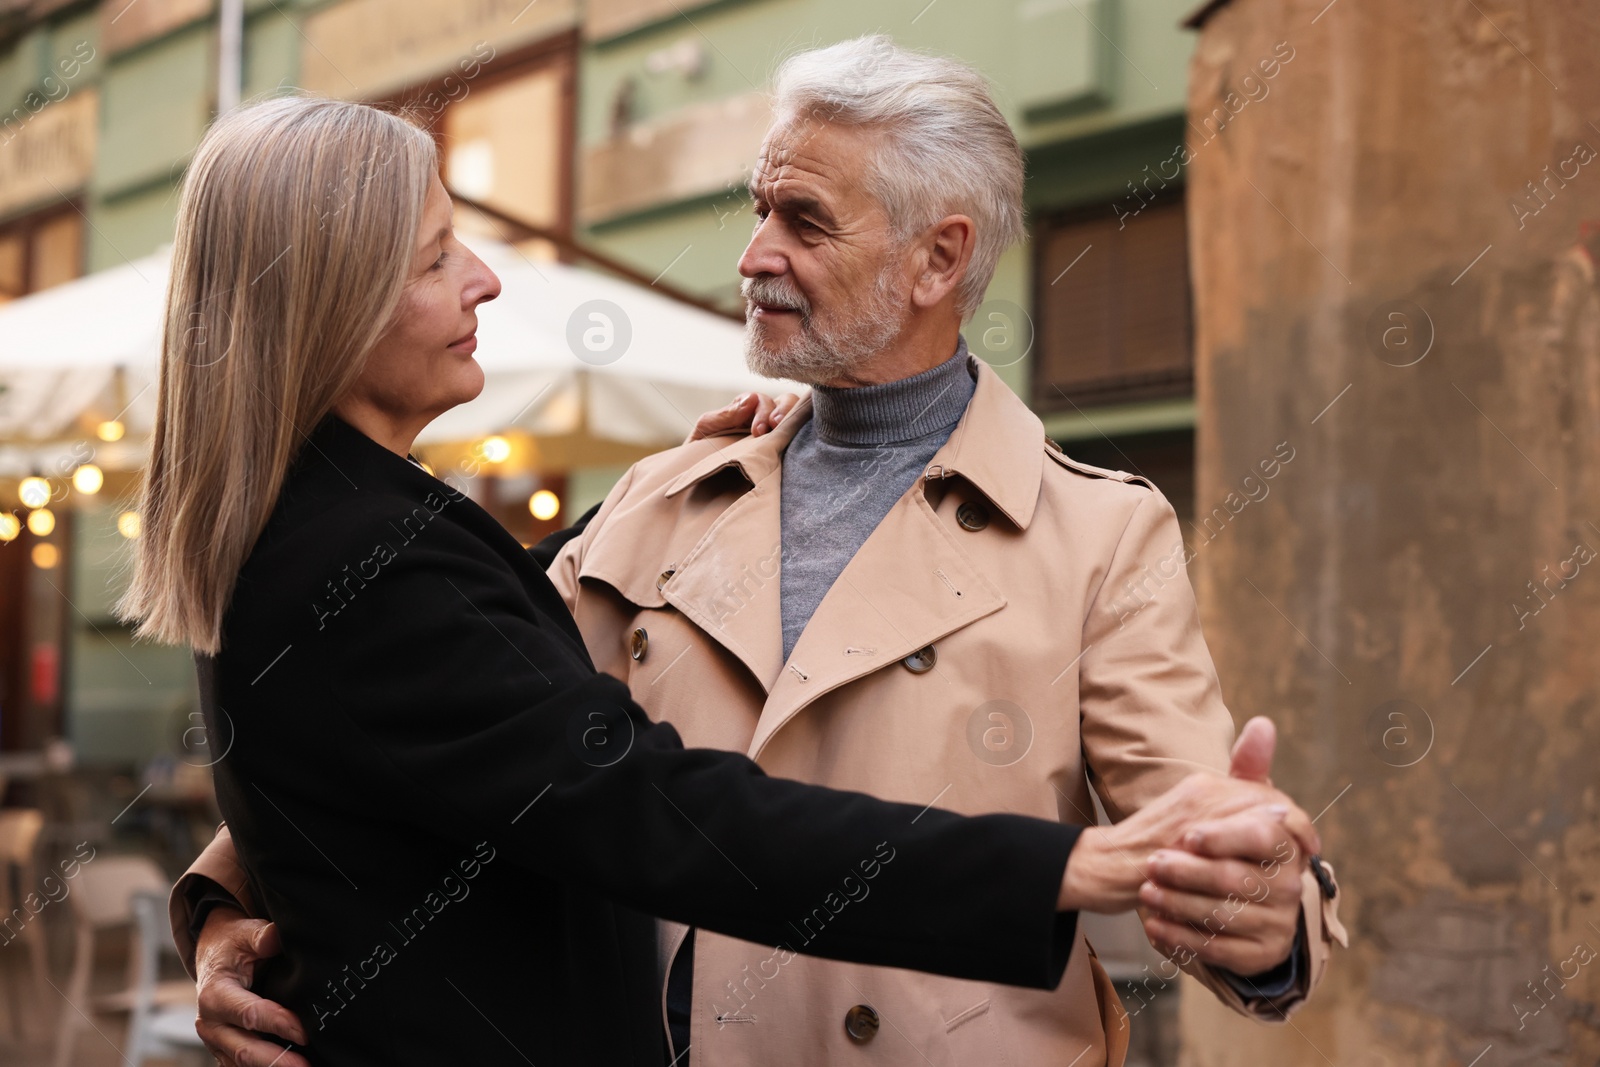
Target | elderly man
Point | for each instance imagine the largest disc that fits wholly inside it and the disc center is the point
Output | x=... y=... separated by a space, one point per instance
x=906 y=589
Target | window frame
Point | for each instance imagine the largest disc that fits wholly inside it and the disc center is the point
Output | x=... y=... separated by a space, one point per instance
x=559 y=51
x=27 y=225
x=1048 y=396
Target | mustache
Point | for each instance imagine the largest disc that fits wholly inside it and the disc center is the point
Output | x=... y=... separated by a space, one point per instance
x=774 y=292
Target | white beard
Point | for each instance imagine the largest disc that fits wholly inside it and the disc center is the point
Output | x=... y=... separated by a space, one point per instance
x=822 y=351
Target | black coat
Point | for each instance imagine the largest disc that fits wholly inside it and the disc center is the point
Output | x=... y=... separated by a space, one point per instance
x=461 y=828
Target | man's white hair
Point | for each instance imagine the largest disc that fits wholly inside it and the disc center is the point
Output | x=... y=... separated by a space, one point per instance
x=949 y=149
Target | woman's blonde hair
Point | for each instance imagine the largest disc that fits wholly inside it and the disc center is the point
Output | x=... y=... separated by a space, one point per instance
x=296 y=230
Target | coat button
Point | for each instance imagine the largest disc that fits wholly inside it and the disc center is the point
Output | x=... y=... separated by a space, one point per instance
x=666 y=574
x=972 y=516
x=861 y=1023
x=638 y=643
x=921 y=661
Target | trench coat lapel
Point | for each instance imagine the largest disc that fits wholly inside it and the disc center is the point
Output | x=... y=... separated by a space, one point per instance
x=912 y=583
x=727 y=584
x=908 y=586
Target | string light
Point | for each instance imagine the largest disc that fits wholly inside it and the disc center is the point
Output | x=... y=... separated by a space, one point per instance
x=46 y=556
x=128 y=524
x=88 y=479
x=544 y=505
x=10 y=526
x=111 y=430
x=495 y=449
x=41 y=521
x=35 y=492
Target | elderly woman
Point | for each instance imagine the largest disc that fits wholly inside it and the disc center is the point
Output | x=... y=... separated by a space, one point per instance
x=459 y=828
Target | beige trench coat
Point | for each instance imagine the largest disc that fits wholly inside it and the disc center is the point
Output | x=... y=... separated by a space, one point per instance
x=1019 y=628
x=1065 y=650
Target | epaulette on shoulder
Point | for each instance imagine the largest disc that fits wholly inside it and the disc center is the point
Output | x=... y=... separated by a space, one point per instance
x=1053 y=450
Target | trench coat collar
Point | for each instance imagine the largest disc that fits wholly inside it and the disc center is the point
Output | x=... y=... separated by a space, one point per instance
x=998 y=447
x=753 y=457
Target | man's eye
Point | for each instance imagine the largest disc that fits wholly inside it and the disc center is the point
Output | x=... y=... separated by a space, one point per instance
x=806 y=224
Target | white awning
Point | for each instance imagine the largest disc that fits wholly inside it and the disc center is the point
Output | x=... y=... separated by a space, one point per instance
x=566 y=352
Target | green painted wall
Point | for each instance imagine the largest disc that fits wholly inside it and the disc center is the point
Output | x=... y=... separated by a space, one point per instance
x=21 y=66
x=63 y=38
x=1145 y=66
x=27 y=60
x=126 y=700
x=32 y=66
x=156 y=102
x=271 y=53
x=133 y=224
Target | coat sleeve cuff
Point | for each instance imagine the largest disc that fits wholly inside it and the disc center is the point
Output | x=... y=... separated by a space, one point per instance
x=216 y=868
x=1275 y=982
x=1063 y=928
x=205 y=896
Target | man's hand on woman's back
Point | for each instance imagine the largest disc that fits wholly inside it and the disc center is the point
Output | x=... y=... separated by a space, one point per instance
x=230 y=947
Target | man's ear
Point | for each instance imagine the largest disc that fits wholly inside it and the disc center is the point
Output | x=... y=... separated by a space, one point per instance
x=946 y=253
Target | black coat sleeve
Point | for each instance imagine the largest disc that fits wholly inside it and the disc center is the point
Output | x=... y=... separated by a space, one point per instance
x=477 y=700
x=544 y=553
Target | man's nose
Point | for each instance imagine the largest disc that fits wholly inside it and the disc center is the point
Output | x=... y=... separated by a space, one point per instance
x=762 y=255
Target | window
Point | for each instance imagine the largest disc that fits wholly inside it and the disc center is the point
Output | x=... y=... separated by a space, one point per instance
x=503 y=145
x=1112 y=307
x=504 y=124
x=39 y=251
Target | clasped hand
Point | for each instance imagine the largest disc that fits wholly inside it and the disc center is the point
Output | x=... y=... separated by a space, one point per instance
x=1212 y=866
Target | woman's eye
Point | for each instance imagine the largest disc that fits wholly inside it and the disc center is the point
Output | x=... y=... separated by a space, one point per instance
x=439 y=262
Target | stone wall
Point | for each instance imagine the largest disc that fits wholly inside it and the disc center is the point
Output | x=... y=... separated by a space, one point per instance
x=1394 y=239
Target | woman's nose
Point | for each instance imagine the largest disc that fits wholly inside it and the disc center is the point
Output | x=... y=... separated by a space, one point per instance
x=485 y=284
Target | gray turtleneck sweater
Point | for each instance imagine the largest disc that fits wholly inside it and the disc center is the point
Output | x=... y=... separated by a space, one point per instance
x=846 y=467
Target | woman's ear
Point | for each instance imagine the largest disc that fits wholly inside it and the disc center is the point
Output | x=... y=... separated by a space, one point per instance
x=947 y=251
